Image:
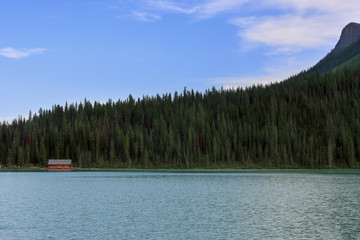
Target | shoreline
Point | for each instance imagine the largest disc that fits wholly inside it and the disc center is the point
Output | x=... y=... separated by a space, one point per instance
x=197 y=170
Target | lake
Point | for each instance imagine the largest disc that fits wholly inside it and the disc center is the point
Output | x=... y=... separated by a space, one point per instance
x=243 y=204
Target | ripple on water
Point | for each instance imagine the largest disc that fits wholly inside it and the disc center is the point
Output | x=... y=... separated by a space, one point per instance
x=143 y=205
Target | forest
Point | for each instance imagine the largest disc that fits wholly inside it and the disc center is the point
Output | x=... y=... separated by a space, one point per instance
x=307 y=121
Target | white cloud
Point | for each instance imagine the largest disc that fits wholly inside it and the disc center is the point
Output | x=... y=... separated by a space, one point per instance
x=10 y=52
x=7 y=119
x=286 y=32
x=271 y=74
x=297 y=25
x=203 y=9
x=289 y=25
x=306 y=5
x=243 y=81
x=214 y=7
x=170 y=6
x=281 y=28
x=277 y=70
x=146 y=17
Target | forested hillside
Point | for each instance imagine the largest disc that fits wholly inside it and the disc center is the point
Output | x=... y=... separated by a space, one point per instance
x=311 y=122
x=338 y=58
x=345 y=54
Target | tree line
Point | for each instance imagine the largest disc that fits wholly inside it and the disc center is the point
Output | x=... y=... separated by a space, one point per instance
x=311 y=121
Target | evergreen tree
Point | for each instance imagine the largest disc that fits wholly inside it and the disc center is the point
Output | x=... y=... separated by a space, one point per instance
x=311 y=121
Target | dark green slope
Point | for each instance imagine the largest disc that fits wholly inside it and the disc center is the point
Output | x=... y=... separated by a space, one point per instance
x=345 y=54
x=312 y=122
x=338 y=58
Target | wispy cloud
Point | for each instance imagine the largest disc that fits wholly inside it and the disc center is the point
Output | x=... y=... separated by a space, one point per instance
x=284 y=24
x=202 y=9
x=287 y=32
x=281 y=28
x=10 y=52
x=170 y=6
x=243 y=81
x=278 y=69
x=6 y=119
x=151 y=10
x=267 y=76
x=297 y=25
x=211 y=8
x=306 y=5
x=145 y=17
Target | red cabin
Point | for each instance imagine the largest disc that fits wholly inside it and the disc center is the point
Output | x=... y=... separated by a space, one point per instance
x=59 y=164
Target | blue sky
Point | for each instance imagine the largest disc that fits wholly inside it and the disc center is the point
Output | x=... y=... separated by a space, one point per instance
x=57 y=51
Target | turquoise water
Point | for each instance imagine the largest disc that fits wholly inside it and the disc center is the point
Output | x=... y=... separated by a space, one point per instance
x=260 y=204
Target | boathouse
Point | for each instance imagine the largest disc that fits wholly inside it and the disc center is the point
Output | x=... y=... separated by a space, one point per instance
x=59 y=163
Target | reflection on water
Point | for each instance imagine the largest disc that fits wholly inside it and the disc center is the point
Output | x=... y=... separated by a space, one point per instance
x=180 y=205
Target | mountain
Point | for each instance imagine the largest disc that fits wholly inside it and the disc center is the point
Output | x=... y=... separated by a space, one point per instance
x=349 y=35
x=345 y=53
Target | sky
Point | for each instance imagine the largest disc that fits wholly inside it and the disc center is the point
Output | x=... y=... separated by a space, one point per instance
x=57 y=51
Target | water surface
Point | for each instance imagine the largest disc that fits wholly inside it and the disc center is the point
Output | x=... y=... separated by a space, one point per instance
x=260 y=204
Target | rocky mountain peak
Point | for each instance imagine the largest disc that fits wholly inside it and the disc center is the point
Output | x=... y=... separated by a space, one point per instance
x=349 y=35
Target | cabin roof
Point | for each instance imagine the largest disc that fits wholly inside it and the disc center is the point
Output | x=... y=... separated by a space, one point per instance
x=59 y=162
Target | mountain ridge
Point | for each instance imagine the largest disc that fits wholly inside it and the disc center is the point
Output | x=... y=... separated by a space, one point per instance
x=349 y=35
x=345 y=54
